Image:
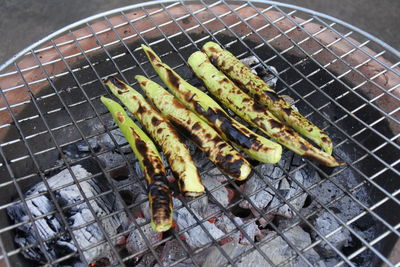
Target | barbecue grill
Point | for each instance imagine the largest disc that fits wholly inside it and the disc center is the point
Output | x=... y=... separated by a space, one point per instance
x=337 y=75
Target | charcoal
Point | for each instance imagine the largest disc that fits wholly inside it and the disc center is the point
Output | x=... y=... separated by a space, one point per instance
x=135 y=241
x=269 y=74
x=199 y=205
x=221 y=194
x=215 y=258
x=172 y=252
x=276 y=249
x=83 y=146
x=325 y=223
x=51 y=225
x=194 y=237
x=227 y=225
x=144 y=206
x=288 y=187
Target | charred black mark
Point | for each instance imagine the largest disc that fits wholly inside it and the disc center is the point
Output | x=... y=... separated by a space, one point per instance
x=273 y=96
x=230 y=166
x=155 y=121
x=275 y=124
x=177 y=103
x=120 y=117
x=141 y=109
x=151 y=55
x=287 y=111
x=173 y=78
x=196 y=126
x=245 y=100
x=187 y=132
x=325 y=140
x=161 y=200
x=222 y=145
x=224 y=80
x=159 y=130
x=120 y=92
x=227 y=127
x=117 y=82
x=258 y=107
x=303 y=146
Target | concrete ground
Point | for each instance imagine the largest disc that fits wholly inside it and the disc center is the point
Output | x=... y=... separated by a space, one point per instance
x=23 y=22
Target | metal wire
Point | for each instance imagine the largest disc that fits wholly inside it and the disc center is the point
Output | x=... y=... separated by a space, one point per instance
x=150 y=10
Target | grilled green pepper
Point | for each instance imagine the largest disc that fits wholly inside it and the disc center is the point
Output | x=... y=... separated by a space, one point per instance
x=254 y=145
x=225 y=157
x=150 y=161
x=164 y=134
x=255 y=114
x=256 y=87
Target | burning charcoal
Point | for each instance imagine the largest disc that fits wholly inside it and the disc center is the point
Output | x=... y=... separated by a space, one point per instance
x=194 y=237
x=215 y=258
x=252 y=231
x=269 y=74
x=144 y=207
x=216 y=174
x=226 y=225
x=276 y=249
x=325 y=223
x=135 y=241
x=77 y=216
x=172 y=252
x=288 y=187
x=221 y=194
x=198 y=205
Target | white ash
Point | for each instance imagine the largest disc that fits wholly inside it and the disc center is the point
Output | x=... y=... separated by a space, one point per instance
x=290 y=101
x=269 y=74
x=276 y=249
x=288 y=187
x=77 y=215
x=221 y=195
x=227 y=225
x=135 y=242
x=195 y=237
x=325 y=223
x=173 y=252
x=216 y=174
x=144 y=206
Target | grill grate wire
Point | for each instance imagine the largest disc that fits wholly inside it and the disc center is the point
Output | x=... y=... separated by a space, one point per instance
x=165 y=37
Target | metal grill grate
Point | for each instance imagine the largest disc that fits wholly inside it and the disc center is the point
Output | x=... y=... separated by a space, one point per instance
x=81 y=55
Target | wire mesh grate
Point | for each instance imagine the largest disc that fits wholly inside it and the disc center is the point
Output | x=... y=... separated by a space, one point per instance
x=50 y=102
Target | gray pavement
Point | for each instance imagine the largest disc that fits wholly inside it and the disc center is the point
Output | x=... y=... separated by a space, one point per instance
x=23 y=22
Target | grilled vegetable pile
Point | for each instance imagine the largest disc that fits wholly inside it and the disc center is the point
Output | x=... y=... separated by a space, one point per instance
x=151 y=164
x=201 y=119
x=256 y=87
x=164 y=134
x=255 y=114
x=205 y=107
x=225 y=157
